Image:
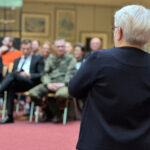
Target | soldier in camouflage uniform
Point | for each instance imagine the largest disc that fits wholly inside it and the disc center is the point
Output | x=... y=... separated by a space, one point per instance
x=57 y=73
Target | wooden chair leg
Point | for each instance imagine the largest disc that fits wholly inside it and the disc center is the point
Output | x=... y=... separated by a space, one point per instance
x=75 y=107
x=31 y=111
x=36 y=114
x=4 y=105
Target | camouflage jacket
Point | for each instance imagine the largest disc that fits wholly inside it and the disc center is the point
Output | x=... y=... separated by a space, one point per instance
x=59 y=69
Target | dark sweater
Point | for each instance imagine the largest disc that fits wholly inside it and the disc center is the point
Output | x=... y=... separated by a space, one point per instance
x=116 y=113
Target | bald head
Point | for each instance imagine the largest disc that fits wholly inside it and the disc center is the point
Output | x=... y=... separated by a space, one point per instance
x=95 y=44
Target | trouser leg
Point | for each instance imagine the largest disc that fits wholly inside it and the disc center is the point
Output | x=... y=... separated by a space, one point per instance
x=53 y=106
x=10 y=101
x=38 y=92
x=6 y=82
x=18 y=84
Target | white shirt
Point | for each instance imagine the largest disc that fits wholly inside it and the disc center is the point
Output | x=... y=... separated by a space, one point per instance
x=26 y=65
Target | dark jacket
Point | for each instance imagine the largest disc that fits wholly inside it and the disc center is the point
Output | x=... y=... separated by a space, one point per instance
x=1 y=69
x=36 y=68
x=116 y=113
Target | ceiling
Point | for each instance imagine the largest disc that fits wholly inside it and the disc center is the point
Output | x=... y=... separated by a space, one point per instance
x=98 y=2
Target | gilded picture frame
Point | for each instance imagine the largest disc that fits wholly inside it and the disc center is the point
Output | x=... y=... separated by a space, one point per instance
x=65 y=24
x=86 y=37
x=35 y=25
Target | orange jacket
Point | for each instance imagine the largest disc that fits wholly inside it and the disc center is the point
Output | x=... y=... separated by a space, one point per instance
x=10 y=56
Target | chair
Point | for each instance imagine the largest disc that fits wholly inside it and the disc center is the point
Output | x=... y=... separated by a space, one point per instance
x=31 y=109
x=10 y=68
x=65 y=109
x=3 y=104
x=36 y=110
x=6 y=70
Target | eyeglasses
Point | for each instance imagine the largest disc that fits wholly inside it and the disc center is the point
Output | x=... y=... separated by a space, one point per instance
x=60 y=46
x=113 y=28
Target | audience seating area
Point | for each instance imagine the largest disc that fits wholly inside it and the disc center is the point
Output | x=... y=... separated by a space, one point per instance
x=34 y=110
x=17 y=66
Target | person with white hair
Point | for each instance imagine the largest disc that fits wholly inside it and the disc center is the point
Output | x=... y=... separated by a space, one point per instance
x=57 y=73
x=115 y=85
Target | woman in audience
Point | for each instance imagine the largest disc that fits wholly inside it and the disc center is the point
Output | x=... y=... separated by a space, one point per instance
x=79 y=51
x=68 y=47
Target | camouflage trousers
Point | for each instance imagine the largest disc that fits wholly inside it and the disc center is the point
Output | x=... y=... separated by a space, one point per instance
x=41 y=90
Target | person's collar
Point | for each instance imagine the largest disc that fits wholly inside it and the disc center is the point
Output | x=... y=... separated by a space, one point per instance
x=27 y=57
x=124 y=44
x=62 y=56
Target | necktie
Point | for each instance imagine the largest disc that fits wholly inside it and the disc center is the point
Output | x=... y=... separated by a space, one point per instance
x=22 y=65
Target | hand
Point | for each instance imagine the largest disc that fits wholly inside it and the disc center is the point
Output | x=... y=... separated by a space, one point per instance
x=3 y=49
x=23 y=73
x=55 y=86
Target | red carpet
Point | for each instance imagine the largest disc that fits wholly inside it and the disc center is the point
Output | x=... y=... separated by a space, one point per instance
x=23 y=135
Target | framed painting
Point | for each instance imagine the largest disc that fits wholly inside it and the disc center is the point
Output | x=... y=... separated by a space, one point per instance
x=87 y=36
x=35 y=25
x=65 y=24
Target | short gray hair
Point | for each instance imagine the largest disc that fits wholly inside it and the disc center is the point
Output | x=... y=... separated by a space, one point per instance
x=134 y=20
x=58 y=40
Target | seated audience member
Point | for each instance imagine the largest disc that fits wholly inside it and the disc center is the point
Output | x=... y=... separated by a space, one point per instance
x=46 y=53
x=95 y=44
x=26 y=74
x=57 y=73
x=79 y=51
x=46 y=50
x=68 y=48
x=36 y=47
x=8 y=52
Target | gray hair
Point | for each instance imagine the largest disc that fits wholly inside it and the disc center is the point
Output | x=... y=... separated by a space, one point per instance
x=134 y=21
x=58 y=40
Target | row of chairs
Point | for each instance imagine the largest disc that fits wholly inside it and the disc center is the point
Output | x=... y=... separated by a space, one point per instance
x=37 y=108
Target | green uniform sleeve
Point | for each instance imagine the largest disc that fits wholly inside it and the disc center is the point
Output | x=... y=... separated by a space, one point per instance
x=71 y=70
x=46 y=78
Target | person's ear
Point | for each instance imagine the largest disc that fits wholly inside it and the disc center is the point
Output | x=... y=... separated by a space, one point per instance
x=120 y=34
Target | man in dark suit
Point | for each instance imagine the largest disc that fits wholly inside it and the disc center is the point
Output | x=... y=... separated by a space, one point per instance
x=26 y=74
x=116 y=84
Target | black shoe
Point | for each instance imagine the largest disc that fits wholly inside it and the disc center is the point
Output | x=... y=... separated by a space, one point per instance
x=7 y=119
x=55 y=119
